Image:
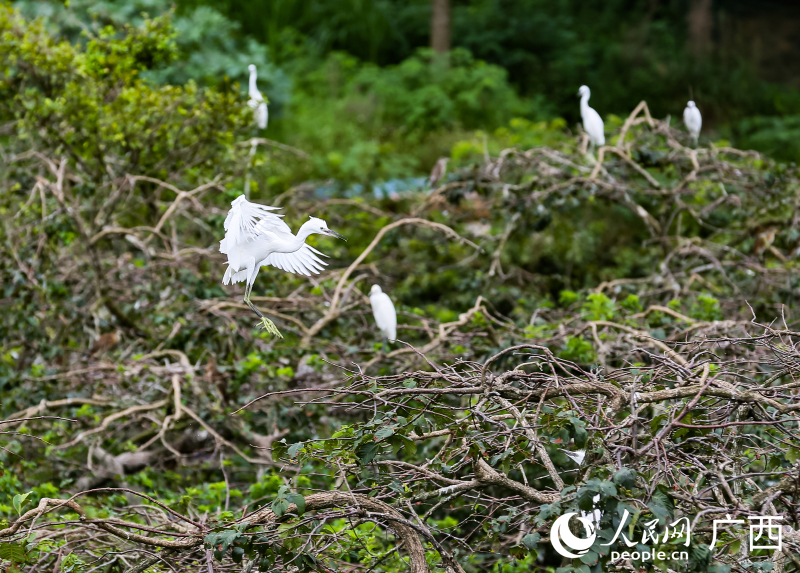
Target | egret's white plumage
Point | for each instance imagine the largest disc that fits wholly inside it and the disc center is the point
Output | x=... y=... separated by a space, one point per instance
x=383 y=310
x=592 y=122
x=577 y=456
x=256 y=237
x=693 y=120
x=256 y=101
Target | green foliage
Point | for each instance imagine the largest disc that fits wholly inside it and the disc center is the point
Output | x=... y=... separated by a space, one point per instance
x=423 y=95
x=567 y=297
x=13 y=552
x=578 y=349
x=94 y=105
x=599 y=307
x=19 y=501
x=625 y=51
x=207 y=46
x=706 y=308
x=631 y=303
x=284 y=497
x=625 y=477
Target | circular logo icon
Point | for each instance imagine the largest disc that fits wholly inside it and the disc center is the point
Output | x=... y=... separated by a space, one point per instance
x=560 y=535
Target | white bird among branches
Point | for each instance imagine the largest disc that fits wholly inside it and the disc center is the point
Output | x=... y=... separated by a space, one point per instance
x=384 y=313
x=592 y=122
x=693 y=120
x=257 y=102
x=255 y=237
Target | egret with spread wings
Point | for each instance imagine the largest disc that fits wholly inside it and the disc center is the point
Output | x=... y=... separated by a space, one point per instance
x=256 y=237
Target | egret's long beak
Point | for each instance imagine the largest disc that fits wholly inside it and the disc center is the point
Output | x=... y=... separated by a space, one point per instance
x=335 y=234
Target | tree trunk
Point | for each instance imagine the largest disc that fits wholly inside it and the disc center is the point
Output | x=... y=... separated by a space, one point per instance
x=440 y=26
x=701 y=21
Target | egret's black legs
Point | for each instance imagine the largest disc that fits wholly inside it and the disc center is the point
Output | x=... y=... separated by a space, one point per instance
x=265 y=323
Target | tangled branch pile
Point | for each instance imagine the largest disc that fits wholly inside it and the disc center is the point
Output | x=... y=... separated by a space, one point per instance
x=638 y=308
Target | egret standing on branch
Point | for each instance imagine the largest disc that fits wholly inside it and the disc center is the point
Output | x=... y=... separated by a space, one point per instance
x=254 y=237
x=693 y=121
x=257 y=102
x=261 y=115
x=384 y=313
x=592 y=122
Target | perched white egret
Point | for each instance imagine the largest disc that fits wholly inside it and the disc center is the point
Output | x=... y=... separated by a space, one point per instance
x=256 y=101
x=592 y=122
x=693 y=121
x=254 y=237
x=384 y=313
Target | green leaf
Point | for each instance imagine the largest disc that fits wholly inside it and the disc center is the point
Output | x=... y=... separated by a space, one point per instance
x=661 y=504
x=14 y=552
x=367 y=452
x=409 y=445
x=384 y=433
x=19 y=501
x=294 y=448
x=531 y=540
x=625 y=477
x=298 y=500
x=221 y=540
x=590 y=558
x=608 y=489
x=279 y=506
x=236 y=554
x=581 y=436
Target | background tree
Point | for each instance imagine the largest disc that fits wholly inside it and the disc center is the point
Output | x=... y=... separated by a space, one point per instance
x=440 y=26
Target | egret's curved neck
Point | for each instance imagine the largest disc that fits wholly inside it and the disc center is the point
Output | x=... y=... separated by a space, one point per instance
x=303 y=233
x=253 y=87
x=584 y=102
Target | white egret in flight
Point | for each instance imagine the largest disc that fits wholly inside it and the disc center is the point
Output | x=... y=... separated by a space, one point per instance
x=693 y=120
x=384 y=313
x=577 y=456
x=254 y=237
x=257 y=102
x=592 y=122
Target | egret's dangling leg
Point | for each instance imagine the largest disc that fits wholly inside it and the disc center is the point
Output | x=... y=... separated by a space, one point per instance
x=266 y=323
x=384 y=345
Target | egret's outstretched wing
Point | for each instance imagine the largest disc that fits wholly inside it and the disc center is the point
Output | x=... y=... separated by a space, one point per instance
x=303 y=261
x=385 y=315
x=246 y=221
